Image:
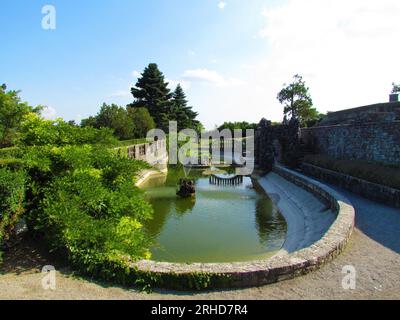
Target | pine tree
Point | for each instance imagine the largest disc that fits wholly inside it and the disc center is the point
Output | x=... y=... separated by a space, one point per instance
x=181 y=112
x=151 y=92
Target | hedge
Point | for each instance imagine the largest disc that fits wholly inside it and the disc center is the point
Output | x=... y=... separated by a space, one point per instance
x=83 y=202
x=12 y=186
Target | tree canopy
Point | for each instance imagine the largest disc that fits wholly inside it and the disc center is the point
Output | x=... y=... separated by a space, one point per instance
x=297 y=101
x=237 y=125
x=142 y=120
x=181 y=112
x=151 y=91
x=116 y=118
x=12 y=112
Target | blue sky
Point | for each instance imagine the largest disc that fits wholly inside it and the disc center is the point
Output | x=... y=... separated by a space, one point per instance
x=231 y=56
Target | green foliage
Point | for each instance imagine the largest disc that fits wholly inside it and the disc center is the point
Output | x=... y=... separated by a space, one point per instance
x=82 y=201
x=10 y=152
x=185 y=281
x=151 y=92
x=11 y=158
x=12 y=112
x=297 y=101
x=371 y=172
x=181 y=112
x=125 y=123
x=12 y=193
x=36 y=131
x=237 y=126
x=12 y=163
x=142 y=120
x=89 y=122
x=115 y=118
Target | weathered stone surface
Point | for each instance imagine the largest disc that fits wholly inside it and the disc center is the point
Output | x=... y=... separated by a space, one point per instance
x=377 y=142
x=373 y=191
x=380 y=112
x=277 y=143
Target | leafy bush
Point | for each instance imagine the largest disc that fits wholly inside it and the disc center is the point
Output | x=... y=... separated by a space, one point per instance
x=12 y=163
x=375 y=173
x=12 y=192
x=36 y=131
x=82 y=201
x=10 y=152
x=12 y=112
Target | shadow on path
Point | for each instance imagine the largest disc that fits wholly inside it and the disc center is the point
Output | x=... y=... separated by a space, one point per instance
x=378 y=221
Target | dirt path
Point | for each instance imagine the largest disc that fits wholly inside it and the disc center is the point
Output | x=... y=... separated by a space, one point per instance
x=374 y=251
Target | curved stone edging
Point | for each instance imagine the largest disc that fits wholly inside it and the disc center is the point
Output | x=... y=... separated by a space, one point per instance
x=370 y=190
x=255 y=273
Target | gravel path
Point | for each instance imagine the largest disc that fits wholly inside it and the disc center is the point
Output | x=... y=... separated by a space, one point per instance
x=374 y=251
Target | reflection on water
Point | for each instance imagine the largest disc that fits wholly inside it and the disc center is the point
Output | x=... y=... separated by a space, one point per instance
x=220 y=224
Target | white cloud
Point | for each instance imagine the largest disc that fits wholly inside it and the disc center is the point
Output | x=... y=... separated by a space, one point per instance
x=222 y=5
x=210 y=77
x=173 y=83
x=347 y=52
x=136 y=74
x=49 y=113
x=78 y=118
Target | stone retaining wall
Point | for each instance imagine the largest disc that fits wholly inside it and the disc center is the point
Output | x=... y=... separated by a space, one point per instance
x=364 y=114
x=377 y=142
x=373 y=191
x=256 y=273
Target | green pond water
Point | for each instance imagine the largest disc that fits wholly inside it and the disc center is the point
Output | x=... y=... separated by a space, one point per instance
x=221 y=224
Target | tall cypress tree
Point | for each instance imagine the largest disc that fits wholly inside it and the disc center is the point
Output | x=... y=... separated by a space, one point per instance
x=151 y=92
x=181 y=112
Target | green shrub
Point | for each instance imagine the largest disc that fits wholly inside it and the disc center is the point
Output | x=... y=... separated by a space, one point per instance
x=12 y=163
x=82 y=201
x=10 y=152
x=36 y=131
x=371 y=172
x=12 y=192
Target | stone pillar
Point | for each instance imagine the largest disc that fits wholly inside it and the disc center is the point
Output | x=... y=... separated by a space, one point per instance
x=264 y=153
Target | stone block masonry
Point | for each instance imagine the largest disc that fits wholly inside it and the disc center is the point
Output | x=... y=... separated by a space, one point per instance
x=373 y=191
x=377 y=142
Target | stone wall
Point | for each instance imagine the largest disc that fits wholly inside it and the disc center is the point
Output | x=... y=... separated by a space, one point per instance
x=373 y=191
x=372 y=113
x=277 y=143
x=154 y=153
x=377 y=142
